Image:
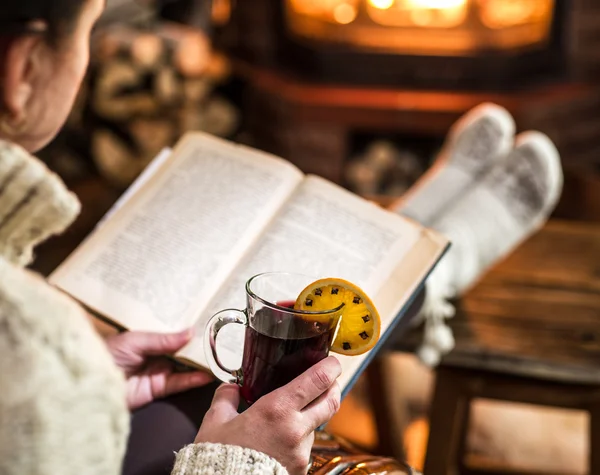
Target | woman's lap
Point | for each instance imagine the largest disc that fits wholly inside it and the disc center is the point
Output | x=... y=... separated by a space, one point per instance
x=163 y=428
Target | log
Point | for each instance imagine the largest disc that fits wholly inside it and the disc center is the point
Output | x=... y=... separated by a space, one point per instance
x=216 y=117
x=168 y=88
x=197 y=90
x=125 y=107
x=144 y=48
x=190 y=48
x=147 y=51
x=116 y=160
x=152 y=135
x=191 y=118
x=114 y=77
x=109 y=100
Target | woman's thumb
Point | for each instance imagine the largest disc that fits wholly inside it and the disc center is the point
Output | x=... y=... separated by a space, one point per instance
x=225 y=403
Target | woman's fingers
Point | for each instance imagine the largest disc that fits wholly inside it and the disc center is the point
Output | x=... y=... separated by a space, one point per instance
x=322 y=409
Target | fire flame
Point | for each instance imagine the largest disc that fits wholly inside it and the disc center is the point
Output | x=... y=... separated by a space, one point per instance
x=382 y=4
x=461 y=25
x=419 y=4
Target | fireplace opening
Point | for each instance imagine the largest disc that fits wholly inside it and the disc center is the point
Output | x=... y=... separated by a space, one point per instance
x=458 y=44
x=427 y=44
x=424 y=27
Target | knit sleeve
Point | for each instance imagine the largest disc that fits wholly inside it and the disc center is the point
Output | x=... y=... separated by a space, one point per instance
x=218 y=459
x=34 y=204
x=62 y=399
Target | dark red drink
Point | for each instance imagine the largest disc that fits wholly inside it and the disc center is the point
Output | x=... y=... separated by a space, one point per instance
x=271 y=362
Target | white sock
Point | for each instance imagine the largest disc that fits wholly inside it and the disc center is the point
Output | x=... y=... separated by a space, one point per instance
x=474 y=145
x=509 y=203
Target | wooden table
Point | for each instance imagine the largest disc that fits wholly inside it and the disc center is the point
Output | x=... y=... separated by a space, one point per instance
x=528 y=332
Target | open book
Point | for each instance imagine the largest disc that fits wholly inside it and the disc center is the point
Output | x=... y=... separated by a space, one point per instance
x=203 y=219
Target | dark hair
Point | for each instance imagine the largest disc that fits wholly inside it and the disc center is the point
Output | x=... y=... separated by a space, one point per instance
x=17 y=16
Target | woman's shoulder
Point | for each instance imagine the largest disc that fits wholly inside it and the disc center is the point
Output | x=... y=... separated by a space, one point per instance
x=34 y=203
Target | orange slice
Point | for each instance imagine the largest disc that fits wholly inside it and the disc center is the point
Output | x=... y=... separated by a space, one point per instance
x=360 y=322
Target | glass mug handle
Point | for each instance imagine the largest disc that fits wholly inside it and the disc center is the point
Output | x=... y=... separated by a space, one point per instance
x=214 y=325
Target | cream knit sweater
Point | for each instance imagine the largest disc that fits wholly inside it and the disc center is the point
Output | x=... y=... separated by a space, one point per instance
x=62 y=399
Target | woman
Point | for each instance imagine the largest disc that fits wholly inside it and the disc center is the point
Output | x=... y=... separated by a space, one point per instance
x=63 y=401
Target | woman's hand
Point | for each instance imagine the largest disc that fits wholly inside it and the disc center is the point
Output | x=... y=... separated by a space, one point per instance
x=280 y=424
x=149 y=376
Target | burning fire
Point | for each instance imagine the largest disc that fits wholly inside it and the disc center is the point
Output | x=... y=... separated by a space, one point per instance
x=466 y=24
x=382 y=4
x=435 y=4
x=424 y=13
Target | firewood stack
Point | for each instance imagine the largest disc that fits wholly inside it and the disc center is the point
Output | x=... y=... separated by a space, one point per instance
x=147 y=87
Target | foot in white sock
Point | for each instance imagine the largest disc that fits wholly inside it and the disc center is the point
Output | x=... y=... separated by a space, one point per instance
x=474 y=145
x=503 y=209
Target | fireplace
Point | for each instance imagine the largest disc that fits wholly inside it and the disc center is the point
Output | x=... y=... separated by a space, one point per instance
x=462 y=44
x=424 y=27
x=423 y=43
x=323 y=74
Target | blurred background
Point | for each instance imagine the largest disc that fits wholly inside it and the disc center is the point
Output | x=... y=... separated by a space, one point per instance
x=359 y=91
x=363 y=93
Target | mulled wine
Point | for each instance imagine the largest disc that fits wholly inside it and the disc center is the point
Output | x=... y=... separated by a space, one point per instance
x=271 y=361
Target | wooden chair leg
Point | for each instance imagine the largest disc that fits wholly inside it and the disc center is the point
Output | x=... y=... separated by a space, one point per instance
x=448 y=423
x=389 y=432
x=594 y=457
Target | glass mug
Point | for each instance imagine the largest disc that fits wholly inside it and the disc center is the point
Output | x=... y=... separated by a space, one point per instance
x=280 y=343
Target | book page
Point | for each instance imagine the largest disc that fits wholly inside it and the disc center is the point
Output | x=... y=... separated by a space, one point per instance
x=137 y=185
x=166 y=250
x=324 y=231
